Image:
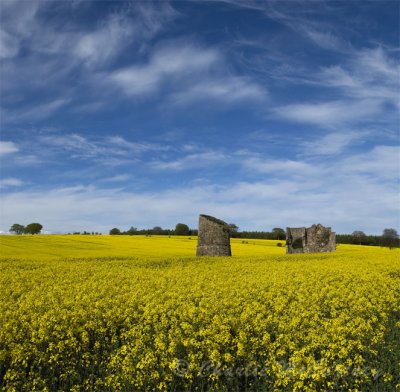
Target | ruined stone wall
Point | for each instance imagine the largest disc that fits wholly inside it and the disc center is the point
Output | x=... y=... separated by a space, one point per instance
x=320 y=239
x=295 y=239
x=314 y=239
x=213 y=237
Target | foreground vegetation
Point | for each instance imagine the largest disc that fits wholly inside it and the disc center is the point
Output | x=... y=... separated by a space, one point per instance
x=110 y=313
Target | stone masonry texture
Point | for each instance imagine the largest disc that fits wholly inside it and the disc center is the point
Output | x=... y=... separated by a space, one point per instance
x=213 y=237
x=314 y=239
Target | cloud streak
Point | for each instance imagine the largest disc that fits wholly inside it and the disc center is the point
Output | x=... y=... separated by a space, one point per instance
x=334 y=143
x=101 y=150
x=8 y=148
x=99 y=46
x=191 y=161
x=167 y=62
x=334 y=113
x=10 y=182
x=189 y=73
x=225 y=89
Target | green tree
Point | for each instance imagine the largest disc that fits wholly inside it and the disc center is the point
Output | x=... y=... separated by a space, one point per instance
x=132 y=231
x=390 y=233
x=390 y=238
x=233 y=229
x=33 y=228
x=358 y=236
x=17 y=229
x=157 y=230
x=115 y=231
x=182 y=229
x=278 y=233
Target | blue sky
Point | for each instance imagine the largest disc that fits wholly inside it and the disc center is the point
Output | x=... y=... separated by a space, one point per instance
x=264 y=114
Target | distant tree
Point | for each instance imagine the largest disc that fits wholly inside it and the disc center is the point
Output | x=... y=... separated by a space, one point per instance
x=233 y=229
x=278 y=233
x=17 y=229
x=358 y=236
x=390 y=233
x=33 y=228
x=132 y=231
x=115 y=231
x=182 y=229
x=390 y=238
x=157 y=230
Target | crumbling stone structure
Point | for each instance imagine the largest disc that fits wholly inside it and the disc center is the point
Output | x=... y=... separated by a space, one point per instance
x=213 y=237
x=314 y=239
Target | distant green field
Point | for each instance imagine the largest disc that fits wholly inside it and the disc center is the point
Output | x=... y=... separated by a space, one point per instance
x=136 y=313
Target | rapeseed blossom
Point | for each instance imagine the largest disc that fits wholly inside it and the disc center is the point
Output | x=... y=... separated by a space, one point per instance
x=142 y=314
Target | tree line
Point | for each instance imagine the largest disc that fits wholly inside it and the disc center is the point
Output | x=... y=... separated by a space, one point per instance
x=32 y=228
x=389 y=238
x=183 y=229
x=180 y=229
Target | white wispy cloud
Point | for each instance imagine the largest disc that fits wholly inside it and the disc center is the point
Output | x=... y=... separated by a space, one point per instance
x=225 y=89
x=333 y=143
x=331 y=114
x=367 y=84
x=166 y=63
x=368 y=74
x=8 y=45
x=300 y=18
x=382 y=162
x=152 y=17
x=376 y=62
x=326 y=40
x=117 y=178
x=110 y=150
x=191 y=161
x=279 y=167
x=135 y=147
x=10 y=182
x=17 y=21
x=303 y=21
x=134 y=25
x=77 y=145
x=43 y=110
x=187 y=72
x=128 y=24
x=98 y=46
x=8 y=148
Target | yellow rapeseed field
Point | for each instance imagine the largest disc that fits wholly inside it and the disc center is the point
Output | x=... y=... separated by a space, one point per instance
x=135 y=313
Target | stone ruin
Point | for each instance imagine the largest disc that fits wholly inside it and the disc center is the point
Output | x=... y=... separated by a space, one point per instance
x=314 y=239
x=213 y=237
